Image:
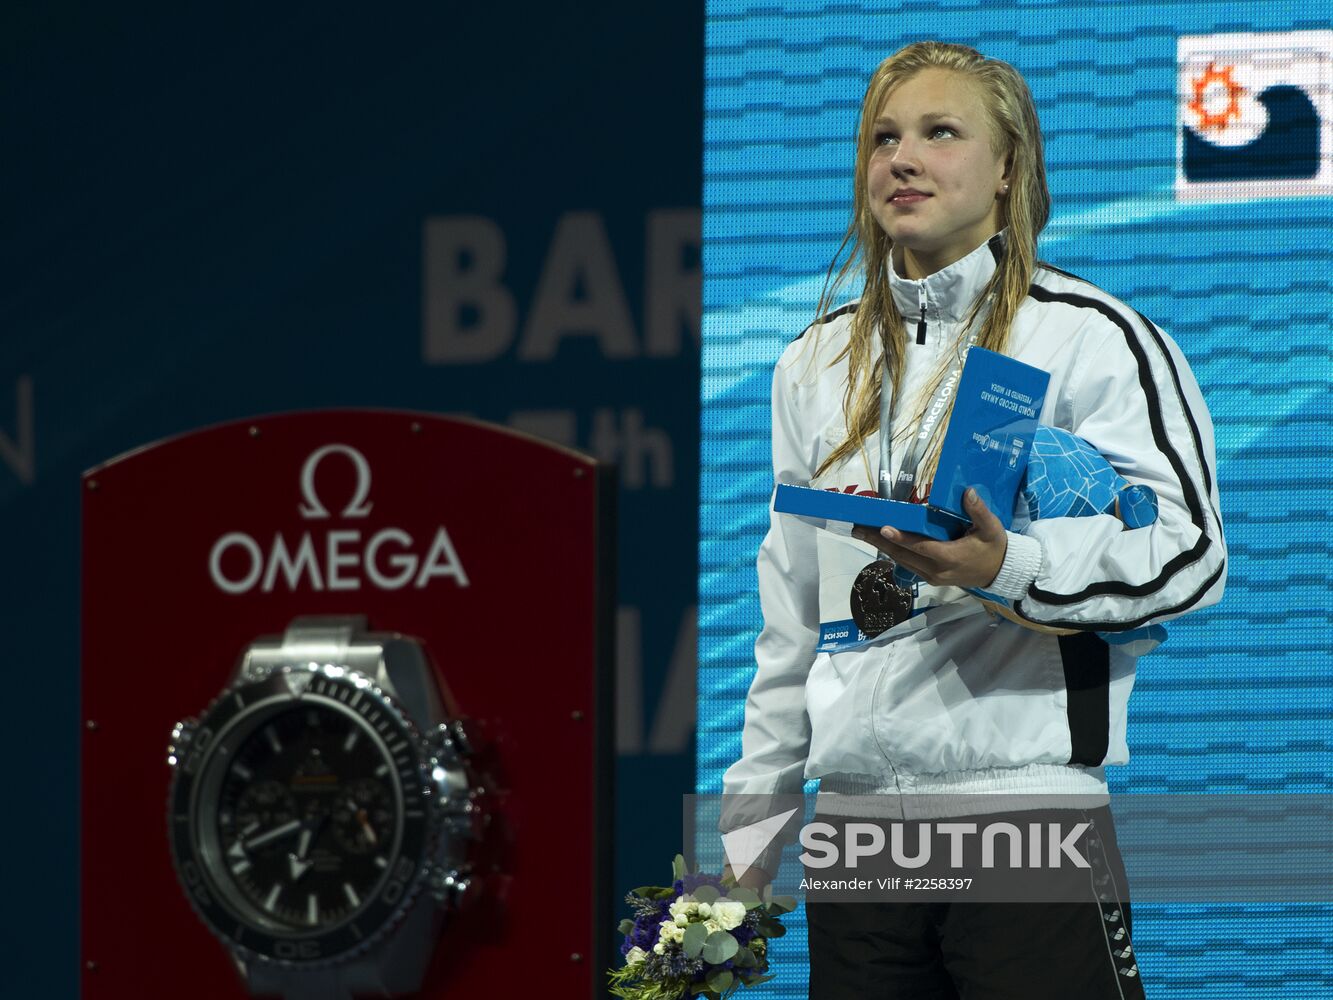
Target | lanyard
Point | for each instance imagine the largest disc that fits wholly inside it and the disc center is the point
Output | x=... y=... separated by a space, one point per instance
x=901 y=489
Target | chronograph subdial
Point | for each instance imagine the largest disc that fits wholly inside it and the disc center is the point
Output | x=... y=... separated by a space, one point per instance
x=266 y=805
x=363 y=817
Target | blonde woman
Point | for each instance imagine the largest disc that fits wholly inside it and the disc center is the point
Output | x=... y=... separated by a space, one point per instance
x=940 y=707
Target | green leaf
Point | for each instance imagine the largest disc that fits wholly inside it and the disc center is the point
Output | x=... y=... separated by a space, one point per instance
x=695 y=936
x=770 y=928
x=678 y=867
x=646 y=891
x=699 y=988
x=745 y=959
x=784 y=904
x=626 y=926
x=667 y=893
x=744 y=895
x=719 y=980
x=719 y=947
x=705 y=894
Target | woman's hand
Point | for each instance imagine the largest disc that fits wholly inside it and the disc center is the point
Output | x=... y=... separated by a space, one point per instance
x=971 y=561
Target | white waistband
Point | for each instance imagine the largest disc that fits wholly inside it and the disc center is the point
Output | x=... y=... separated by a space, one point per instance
x=963 y=793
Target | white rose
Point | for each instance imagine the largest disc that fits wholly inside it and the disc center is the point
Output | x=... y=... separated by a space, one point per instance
x=712 y=926
x=659 y=948
x=729 y=913
x=681 y=908
x=704 y=909
x=635 y=955
x=681 y=919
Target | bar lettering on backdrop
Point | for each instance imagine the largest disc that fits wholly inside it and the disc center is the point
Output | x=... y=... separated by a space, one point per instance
x=471 y=316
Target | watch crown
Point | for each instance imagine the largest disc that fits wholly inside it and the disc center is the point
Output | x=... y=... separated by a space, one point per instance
x=454 y=805
x=463 y=826
x=449 y=885
x=181 y=735
x=461 y=734
x=453 y=738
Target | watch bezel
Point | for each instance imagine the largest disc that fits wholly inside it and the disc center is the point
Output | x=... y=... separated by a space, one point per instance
x=252 y=700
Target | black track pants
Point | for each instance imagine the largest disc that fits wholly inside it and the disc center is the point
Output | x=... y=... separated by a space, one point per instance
x=1076 y=950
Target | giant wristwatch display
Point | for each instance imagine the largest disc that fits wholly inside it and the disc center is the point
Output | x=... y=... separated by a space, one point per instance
x=322 y=812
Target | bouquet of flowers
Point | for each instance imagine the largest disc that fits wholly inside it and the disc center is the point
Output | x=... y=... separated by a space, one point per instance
x=701 y=936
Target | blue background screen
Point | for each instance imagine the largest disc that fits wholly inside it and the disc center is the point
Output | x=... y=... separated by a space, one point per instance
x=1159 y=121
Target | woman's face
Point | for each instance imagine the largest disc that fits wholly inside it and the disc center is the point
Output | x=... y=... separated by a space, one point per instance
x=933 y=179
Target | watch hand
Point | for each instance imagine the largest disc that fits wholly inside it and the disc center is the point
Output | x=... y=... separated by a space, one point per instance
x=278 y=831
x=296 y=867
x=366 y=828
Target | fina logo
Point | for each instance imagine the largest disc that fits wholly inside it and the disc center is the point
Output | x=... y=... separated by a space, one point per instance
x=337 y=559
x=1256 y=116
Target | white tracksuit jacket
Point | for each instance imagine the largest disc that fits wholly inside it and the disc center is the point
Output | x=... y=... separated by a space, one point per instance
x=955 y=700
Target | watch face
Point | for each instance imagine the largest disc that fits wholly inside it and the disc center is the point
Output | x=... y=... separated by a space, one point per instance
x=307 y=815
x=298 y=816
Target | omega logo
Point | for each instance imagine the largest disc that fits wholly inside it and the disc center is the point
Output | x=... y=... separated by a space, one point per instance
x=334 y=559
x=357 y=506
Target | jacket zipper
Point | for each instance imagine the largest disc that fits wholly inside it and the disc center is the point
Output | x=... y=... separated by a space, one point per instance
x=921 y=323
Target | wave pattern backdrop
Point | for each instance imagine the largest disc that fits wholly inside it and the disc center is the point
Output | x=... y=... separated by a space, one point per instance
x=1188 y=157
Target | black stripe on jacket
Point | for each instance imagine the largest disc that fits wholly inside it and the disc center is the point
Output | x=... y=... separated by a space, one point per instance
x=850 y=307
x=1086 y=660
x=1193 y=502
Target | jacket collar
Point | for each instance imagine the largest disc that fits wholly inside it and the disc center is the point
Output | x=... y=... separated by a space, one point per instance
x=949 y=292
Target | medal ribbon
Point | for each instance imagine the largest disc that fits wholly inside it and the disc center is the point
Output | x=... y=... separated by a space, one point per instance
x=901 y=489
x=878 y=600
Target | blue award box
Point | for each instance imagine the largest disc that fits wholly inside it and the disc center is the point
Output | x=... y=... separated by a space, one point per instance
x=986 y=446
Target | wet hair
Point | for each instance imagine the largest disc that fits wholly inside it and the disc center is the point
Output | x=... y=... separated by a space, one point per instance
x=1015 y=136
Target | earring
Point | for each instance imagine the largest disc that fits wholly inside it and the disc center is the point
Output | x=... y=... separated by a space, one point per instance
x=1005 y=189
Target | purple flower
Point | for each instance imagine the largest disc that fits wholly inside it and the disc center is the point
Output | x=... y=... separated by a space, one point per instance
x=644 y=933
x=693 y=880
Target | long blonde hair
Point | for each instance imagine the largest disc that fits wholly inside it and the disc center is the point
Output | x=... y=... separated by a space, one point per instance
x=1016 y=137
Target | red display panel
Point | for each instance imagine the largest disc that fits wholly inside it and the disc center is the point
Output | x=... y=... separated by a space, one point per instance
x=490 y=547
